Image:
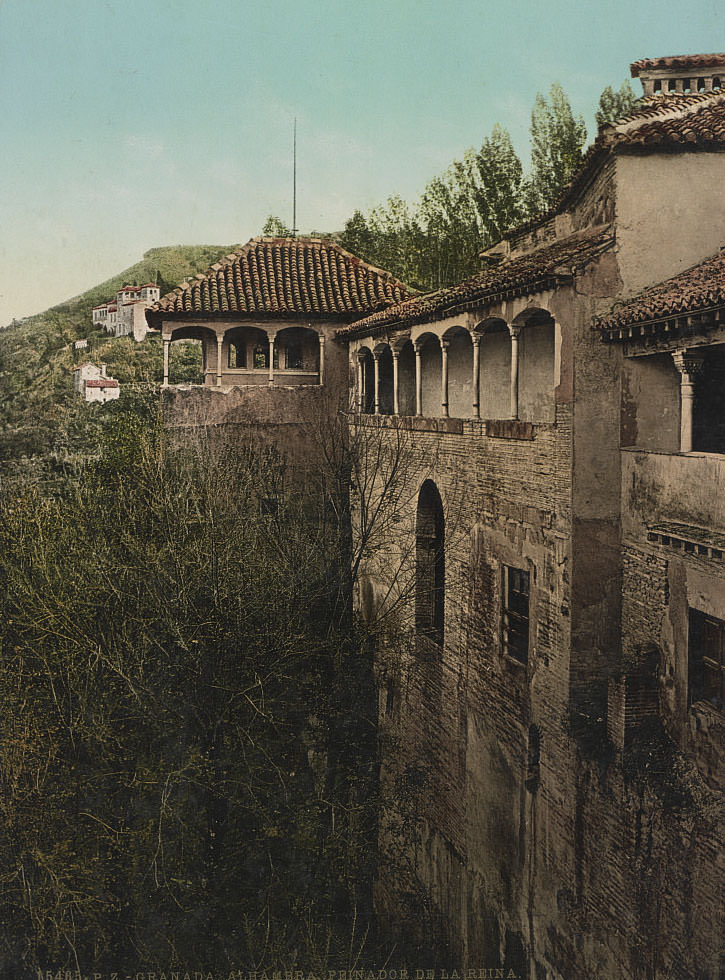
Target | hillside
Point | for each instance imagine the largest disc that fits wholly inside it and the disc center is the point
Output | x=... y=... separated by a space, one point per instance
x=43 y=426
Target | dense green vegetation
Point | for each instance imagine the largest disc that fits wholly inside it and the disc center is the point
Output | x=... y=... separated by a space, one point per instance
x=43 y=426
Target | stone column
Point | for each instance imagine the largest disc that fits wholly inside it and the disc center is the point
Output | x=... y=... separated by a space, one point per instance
x=322 y=360
x=514 y=331
x=396 y=389
x=376 y=359
x=219 y=342
x=689 y=364
x=271 y=361
x=476 y=376
x=167 y=345
x=360 y=383
x=418 y=382
x=444 y=378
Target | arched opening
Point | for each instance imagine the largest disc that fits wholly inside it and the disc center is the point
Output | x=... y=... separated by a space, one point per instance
x=245 y=357
x=460 y=372
x=430 y=370
x=189 y=352
x=298 y=355
x=430 y=564
x=494 y=371
x=366 y=376
x=536 y=366
x=385 y=379
x=406 y=379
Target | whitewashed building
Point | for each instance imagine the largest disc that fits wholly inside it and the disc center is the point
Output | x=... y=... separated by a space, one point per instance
x=125 y=316
x=93 y=384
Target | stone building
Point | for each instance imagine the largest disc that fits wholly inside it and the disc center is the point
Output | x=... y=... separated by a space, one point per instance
x=267 y=317
x=93 y=384
x=126 y=315
x=557 y=698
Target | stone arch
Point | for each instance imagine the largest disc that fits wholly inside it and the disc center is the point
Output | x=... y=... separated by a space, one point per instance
x=384 y=357
x=406 y=377
x=494 y=370
x=430 y=571
x=537 y=341
x=366 y=395
x=430 y=370
x=460 y=372
x=207 y=338
x=298 y=353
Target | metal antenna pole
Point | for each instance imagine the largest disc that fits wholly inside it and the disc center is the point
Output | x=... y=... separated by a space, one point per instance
x=294 y=182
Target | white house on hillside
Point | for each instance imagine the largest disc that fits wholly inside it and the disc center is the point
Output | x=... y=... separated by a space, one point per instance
x=93 y=384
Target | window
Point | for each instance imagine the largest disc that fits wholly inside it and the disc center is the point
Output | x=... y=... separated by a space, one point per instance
x=516 y=613
x=430 y=567
x=706 y=655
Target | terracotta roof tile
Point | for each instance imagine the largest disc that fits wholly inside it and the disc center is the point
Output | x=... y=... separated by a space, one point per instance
x=698 y=289
x=681 y=62
x=285 y=276
x=548 y=266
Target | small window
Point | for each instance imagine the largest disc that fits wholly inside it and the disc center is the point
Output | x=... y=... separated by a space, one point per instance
x=706 y=655
x=516 y=613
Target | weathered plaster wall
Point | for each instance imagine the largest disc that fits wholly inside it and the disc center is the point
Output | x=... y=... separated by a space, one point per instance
x=665 y=222
x=495 y=375
x=651 y=403
x=536 y=373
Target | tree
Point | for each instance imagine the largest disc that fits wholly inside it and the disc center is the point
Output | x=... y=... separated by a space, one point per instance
x=614 y=105
x=557 y=139
x=499 y=191
x=274 y=227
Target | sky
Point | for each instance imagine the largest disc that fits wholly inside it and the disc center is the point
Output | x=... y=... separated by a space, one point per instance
x=127 y=124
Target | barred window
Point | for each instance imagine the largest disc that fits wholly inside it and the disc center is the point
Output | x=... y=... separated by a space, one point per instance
x=706 y=655
x=516 y=613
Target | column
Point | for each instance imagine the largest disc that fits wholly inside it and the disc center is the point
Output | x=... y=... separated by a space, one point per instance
x=322 y=360
x=396 y=390
x=418 y=382
x=271 y=361
x=444 y=378
x=167 y=345
x=376 y=359
x=476 y=376
x=219 y=342
x=514 y=331
x=689 y=364
x=360 y=383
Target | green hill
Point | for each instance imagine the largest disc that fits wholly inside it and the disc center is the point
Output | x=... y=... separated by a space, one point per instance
x=42 y=423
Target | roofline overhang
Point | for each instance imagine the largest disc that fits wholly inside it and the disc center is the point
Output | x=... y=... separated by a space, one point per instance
x=680 y=325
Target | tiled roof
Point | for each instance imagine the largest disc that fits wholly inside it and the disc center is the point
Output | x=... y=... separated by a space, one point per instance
x=673 y=122
x=542 y=269
x=678 y=62
x=284 y=276
x=698 y=289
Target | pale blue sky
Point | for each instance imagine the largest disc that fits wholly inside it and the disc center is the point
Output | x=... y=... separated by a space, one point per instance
x=128 y=124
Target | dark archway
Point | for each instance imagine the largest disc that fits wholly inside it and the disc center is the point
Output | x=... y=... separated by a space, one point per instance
x=430 y=569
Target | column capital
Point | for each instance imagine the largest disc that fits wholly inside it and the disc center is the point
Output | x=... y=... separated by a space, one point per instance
x=376 y=354
x=689 y=362
x=475 y=339
x=322 y=338
x=395 y=353
x=360 y=356
x=445 y=344
x=514 y=329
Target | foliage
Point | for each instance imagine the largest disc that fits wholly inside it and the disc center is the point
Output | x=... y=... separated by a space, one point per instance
x=499 y=192
x=614 y=105
x=557 y=139
x=274 y=227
